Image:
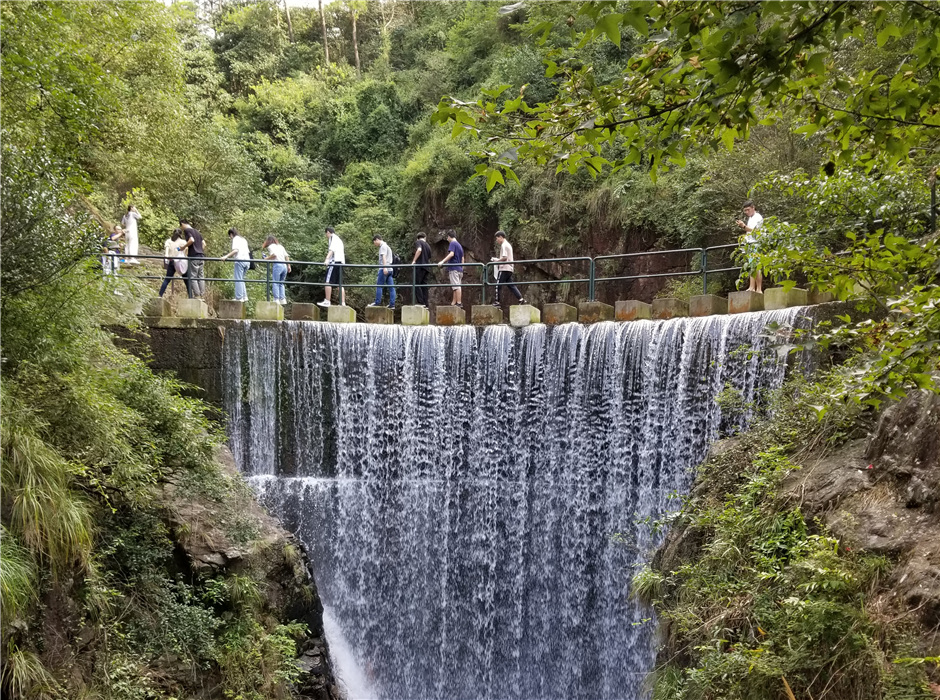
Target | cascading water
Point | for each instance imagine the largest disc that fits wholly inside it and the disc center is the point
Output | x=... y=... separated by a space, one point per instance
x=474 y=501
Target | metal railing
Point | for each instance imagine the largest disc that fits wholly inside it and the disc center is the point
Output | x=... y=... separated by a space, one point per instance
x=592 y=279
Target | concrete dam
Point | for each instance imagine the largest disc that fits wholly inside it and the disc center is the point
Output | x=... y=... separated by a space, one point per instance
x=475 y=501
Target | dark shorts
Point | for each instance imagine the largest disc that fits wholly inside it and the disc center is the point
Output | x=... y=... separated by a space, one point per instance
x=334 y=273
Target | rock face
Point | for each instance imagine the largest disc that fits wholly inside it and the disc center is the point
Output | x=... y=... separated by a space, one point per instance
x=207 y=540
x=882 y=493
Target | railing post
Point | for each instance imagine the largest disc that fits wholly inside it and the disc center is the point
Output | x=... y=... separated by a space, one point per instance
x=414 y=274
x=483 y=281
x=267 y=281
x=591 y=283
x=704 y=270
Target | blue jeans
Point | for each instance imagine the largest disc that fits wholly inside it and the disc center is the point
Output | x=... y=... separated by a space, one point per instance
x=240 y=269
x=383 y=281
x=278 y=275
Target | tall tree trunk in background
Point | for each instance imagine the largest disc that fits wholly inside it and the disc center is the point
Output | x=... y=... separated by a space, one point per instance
x=290 y=26
x=353 y=13
x=326 y=48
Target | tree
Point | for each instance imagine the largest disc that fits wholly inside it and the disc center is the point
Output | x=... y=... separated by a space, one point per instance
x=705 y=73
x=326 y=47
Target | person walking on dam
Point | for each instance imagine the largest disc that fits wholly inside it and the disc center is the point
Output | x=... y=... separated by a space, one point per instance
x=279 y=269
x=754 y=221
x=175 y=261
x=455 y=268
x=421 y=260
x=335 y=259
x=195 y=247
x=132 y=245
x=242 y=258
x=386 y=276
x=505 y=269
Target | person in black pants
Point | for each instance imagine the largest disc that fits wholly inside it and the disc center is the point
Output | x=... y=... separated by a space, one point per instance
x=421 y=260
x=505 y=269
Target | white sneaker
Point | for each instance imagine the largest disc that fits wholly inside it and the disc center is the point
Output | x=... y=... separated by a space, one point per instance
x=324 y=303
x=371 y=306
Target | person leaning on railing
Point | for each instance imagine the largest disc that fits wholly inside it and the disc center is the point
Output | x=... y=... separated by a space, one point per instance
x=195 y=248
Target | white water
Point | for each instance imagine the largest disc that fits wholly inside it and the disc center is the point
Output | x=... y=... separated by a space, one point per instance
x=473 y=500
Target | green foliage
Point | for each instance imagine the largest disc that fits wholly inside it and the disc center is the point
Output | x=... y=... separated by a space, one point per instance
x=768 y=598
x=257 y=664
x=706 y=73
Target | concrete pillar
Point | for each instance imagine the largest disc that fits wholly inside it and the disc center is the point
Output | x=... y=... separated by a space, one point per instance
x=742 y=302
x=556 y=314
x=779 y=298
x=340 y=314
x=415 y=316
x=450 y=316
x=229 y=308
x=594 y=312
x=523 y=315
x=304 y=312
x=192 y=308
x=670 y=308
x=380 y=314
x=707 y=305
x=157 y=307
x=269 y=311
x=632 y=310
x=486 y=315
x=817 y=297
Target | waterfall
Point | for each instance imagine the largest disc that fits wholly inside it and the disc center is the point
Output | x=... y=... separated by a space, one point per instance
x=476 y=501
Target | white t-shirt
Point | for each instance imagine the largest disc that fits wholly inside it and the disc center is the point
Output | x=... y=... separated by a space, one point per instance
x=339 y=251
x=385 y=254
x=505 y=251
x=753 y=223
x=171 y=248
x=276 y=252
x=240 y=245
x=129 y=223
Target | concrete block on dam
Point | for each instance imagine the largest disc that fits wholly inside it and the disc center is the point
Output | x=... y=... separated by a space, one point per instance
x=304 y=312
x=193 y=308
x=556 y=314
x=742 y=302
x=669 y=307
x=157 y=307
x=523 y=315
x=451 y=316
x=341 y=314
x=595 y=312
x=380 y=314
x=486 y=315
x=229 y=308
x=707 y=305
x=632 y=310
x=269 y=311
x=415 y=316
x=780 y=298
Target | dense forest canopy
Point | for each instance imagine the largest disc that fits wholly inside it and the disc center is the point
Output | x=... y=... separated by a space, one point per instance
x=626 y=126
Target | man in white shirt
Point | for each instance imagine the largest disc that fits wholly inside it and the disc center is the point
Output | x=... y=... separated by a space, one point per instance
x=242 y=256
x=754 y=221
x=132 y=241
x=335 y=259
x=386 y=274
x=505 y=268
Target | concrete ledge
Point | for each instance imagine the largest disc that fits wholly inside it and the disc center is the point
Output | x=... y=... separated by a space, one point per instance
x=523 y=315
x=341 y=314
x=707 y=305
x=742 y=302
x=415 y=316
x=229 y=308
x=157 y=307
x=269 y=311
x=450 y=316
x=594 y=312
x=670 y=308
x=192 y=308
x=556 y=314
x=779 y=298
x=380 y=314
x=632 y=310
x=304 y=312
x=817 y=297
x=486 y=315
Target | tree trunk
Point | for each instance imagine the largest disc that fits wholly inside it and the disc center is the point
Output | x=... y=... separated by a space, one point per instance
x=355 y=42
x=290 y=26
x=326 y=48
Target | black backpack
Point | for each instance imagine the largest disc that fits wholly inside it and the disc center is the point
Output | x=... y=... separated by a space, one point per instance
x=251 y=260
x=395 y=261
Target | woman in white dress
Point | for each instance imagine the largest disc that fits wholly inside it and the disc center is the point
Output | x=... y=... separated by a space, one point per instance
x=129 y=224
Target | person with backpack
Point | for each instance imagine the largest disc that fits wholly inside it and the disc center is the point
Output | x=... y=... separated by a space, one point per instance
x=421 y=259
x=386 y=277
x=242 y=261
x=174 y=260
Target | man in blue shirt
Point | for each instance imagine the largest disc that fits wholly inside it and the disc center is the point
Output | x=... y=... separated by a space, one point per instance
x=455 y=268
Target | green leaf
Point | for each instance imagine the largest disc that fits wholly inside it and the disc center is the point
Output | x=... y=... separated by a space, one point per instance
x=610 y=25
